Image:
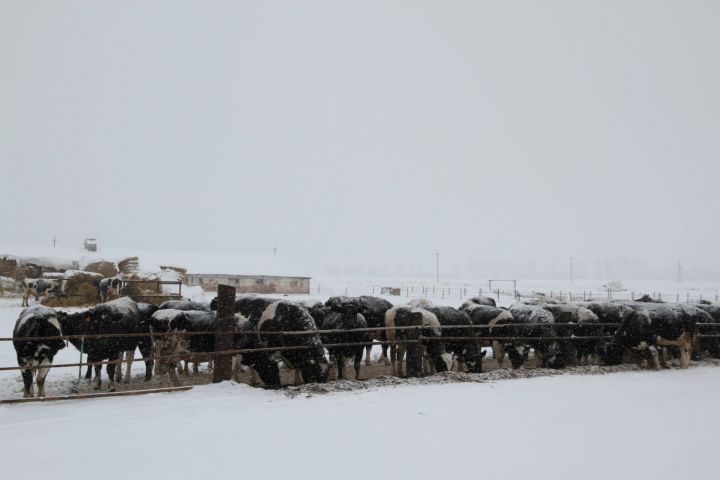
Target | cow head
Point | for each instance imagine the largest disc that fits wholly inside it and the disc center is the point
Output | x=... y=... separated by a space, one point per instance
x=474 y=361
x=555 y=355
x=516 y=358
x=610 y=354
x=314 y=368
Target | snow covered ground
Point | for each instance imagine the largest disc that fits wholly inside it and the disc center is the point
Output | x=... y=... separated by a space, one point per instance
x=643 y=425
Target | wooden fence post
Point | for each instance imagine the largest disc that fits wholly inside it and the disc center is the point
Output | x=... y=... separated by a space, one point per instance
x=224 y=329
x=414 y=352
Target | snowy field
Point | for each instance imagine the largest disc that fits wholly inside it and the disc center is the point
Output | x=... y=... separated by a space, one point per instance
x=629 y=425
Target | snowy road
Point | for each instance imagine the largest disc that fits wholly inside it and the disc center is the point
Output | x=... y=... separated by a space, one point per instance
x=644 y=424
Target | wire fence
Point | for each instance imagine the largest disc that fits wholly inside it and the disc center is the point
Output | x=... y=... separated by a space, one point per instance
x=461 y=293
x=552 y=336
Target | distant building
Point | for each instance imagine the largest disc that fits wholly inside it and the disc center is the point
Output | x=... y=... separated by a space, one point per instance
x=250 y=283
x=90 y=244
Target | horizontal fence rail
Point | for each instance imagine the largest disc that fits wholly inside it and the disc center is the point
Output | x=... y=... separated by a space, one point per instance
x=420 y=339
x=324 y=332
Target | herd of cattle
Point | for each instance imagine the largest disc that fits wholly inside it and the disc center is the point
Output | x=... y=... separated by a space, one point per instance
x=298 y=334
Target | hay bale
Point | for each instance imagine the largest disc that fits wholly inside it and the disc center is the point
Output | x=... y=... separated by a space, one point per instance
x=138 y=286
x=82 y=284
x=29 y=270
x=8 y=267
x=180 y=270
x=129 y=267
x=8 y=286
x=103 y=267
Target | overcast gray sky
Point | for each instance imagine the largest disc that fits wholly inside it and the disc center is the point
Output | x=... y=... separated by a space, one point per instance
x=486 y=130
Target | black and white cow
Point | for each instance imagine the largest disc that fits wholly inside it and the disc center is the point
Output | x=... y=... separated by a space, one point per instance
x=170 y=349
x=652 y=325
x=119 y=316
x=584 y=324
x=373 y=309
x=463 y=343
x=268 y=316
x=110 y=288
x=344 y=319
x=404 y=316
x=535 y=321
x=491 y=316
x=187 y=305
x=37 y=354
x=281 y=317
x=711 y=345
x=40 y=287
x=479 y=300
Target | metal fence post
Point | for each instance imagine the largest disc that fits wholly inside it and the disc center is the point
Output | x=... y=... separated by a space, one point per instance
x=224 y=332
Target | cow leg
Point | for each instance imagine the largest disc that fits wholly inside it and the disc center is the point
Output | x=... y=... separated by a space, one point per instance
x=356 y=364
x=539 y=358
x=129 y=357
x=88 y=373
x=98 y=371
x=196 y=368
x=146 y=351
x=27 y=376
x=42 y=373
x=111 y=366
x=654 y=357
x=384 y=356
x=393 y=358
x=172 y=373
x=117 y=377
x=332 y=368
x=341 y=366
x=368 y=351
x=661 y=358
x=298 y=378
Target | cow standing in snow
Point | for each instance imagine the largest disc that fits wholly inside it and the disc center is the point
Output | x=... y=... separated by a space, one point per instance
x=36 y=355
x=344 y=319
x=41 y=287
x=652 y=325
x=110 y=288
x=373 y=309
x=487 y=315
x=534 y=321
x=120 y=316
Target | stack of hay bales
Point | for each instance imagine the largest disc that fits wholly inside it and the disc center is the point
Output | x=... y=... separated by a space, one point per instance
x=130 y=267
x=8 y=267
x=78 y=287
x=103 y=267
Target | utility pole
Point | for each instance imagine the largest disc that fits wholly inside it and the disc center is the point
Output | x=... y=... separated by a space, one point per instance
x=54 y=240
x=274 y=250
x=437 y=267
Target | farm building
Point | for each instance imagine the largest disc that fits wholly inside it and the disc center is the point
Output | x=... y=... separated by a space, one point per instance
x=250 y=283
